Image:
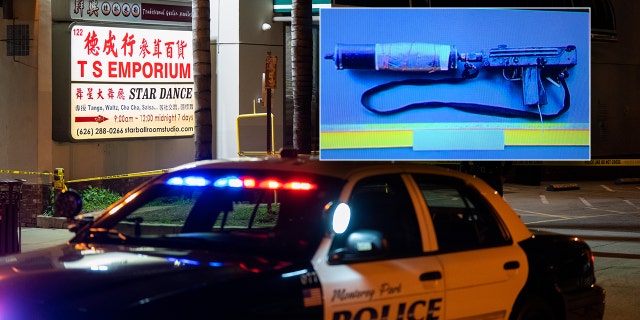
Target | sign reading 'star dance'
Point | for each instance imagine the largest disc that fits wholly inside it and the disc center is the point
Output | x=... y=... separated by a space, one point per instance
x=130 y=83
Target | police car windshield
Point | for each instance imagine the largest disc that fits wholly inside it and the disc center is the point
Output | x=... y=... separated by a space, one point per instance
x=266 y=210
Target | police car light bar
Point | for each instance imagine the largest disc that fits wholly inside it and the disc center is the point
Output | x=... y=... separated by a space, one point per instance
x=242 y=182
x=192 y=181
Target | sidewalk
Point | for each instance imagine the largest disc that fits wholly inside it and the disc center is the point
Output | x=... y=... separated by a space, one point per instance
x=38 y=238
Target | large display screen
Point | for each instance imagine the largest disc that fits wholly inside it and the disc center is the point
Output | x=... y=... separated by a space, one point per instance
x=454 y=84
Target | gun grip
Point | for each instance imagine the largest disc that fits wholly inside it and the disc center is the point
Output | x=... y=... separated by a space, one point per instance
x=533 y=92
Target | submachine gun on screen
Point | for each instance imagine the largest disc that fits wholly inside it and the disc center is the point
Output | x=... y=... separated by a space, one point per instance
x=530 y=65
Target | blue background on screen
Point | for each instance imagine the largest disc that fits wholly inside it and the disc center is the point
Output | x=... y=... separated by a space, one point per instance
x=470 y=30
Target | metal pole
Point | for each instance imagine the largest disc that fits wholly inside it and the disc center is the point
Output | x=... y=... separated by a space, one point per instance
x=268 y=102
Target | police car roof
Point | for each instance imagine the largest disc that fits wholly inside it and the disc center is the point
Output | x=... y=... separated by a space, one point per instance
x=337 y=169
x=348 y=170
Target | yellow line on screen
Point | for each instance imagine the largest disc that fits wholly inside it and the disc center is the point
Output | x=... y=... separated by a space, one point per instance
x=366 y=139
x=554 y=137
x=404 y=138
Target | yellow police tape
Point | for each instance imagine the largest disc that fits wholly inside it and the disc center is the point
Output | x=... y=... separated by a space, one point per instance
x=124 y=175
x=117 y=176
x=595 y=162
x=26 y=172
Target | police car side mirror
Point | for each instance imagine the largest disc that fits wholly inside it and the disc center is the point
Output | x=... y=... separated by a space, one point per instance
x=361 y=246
x=352 y=246
x=67 y=204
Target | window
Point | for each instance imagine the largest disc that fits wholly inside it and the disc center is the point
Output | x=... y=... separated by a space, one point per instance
x=382 y=204
x=233 y=211
x=462 y=219
x=18 y=40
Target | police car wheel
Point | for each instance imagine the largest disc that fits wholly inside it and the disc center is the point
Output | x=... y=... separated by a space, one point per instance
x=532 y=308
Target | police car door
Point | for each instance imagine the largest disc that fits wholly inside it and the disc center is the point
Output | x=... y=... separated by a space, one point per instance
x=376 y=269
x=484 y=270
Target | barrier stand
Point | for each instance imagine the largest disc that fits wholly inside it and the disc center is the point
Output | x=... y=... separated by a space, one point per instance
x=58 y=180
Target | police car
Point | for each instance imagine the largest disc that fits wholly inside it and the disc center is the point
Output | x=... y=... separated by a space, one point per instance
x=303 y=239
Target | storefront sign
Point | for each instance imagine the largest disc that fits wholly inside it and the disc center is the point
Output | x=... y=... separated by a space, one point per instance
x=132 y=11
x=131 y=83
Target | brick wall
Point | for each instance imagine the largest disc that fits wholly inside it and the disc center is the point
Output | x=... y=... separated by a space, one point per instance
x=35 y=198
x=21 y=202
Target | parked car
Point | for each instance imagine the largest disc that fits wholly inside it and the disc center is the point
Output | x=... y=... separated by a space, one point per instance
x=304 y=239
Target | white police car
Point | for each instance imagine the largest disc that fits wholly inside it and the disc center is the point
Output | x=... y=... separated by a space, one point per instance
x=304 y=239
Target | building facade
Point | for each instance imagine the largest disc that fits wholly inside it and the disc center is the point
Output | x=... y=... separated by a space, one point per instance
x=30 y=104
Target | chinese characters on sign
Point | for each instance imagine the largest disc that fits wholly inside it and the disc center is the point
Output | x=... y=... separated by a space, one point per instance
x=132 y=11
x=130 y=83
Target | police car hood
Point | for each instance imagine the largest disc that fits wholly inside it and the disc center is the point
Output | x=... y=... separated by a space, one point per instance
x=79 y=278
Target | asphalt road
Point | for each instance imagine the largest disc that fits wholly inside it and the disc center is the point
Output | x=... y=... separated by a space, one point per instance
x=607 y=216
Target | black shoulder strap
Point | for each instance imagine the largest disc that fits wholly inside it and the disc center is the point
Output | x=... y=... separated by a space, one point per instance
x=466 y=107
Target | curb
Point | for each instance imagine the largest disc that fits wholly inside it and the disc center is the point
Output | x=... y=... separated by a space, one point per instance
x=51 y=222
